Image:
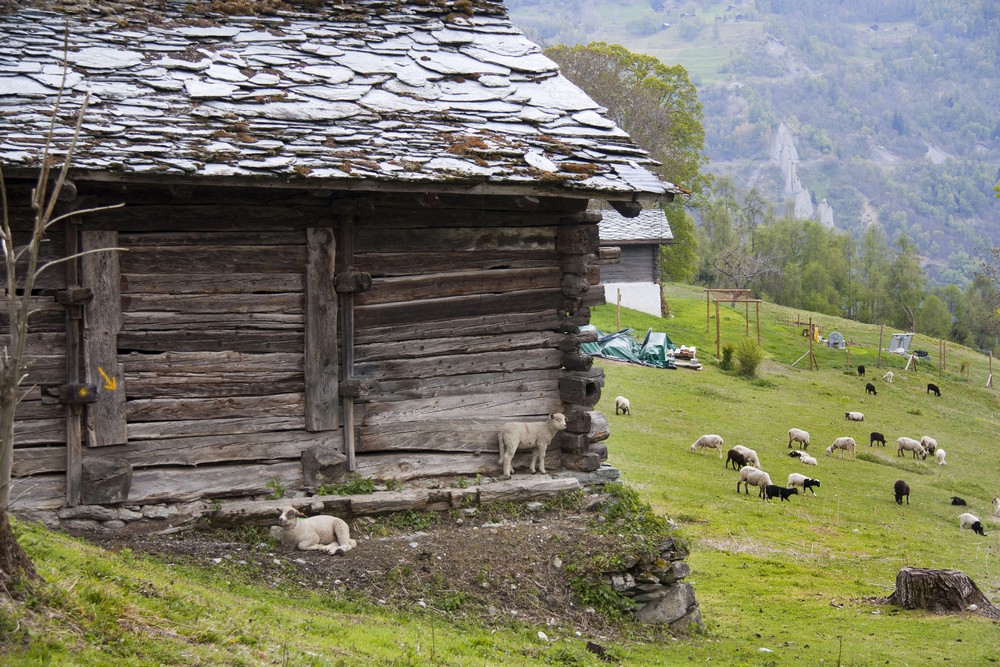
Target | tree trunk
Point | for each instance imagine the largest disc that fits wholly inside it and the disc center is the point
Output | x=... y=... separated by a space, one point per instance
x=939 y=591
x=15 y=566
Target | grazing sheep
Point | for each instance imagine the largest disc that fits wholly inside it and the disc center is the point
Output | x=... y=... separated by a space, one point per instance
x=535 y=436
x=775 y=491
x=874 y=437
x=809 y=460
x=737 y=457
x=622 y=403
x=844 y=444
x=910 y=445
x=928 y=443
x=321 y=532
x=750 y=475
x=749 y=454
x=940 y=454
x=996 y=507
x=861 y=371
x=855 y=416
x=931 y=387
x=870 y=389
x=888 y=377
x=900 y=489
x=955 y=500
x=710 y=441
x=971 y=521
x=795 y=479
x=799 y=436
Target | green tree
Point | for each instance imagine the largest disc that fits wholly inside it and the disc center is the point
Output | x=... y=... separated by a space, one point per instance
x=934 y=318
x=905 y=283
x=655 y=103
x=679 y=260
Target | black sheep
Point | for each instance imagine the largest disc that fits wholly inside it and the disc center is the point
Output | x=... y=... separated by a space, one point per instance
x=901 y=488
x=870 y=389
x=931 y=387
x=955 y=500
x=738 y=459
x=874 y=437
x=861 y=370
x=775 y=491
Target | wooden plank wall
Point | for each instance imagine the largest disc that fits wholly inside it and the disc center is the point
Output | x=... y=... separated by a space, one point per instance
x=461 y=329
x=465 y=328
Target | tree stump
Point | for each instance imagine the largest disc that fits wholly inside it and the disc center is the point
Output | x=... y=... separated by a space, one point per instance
x=939 y=591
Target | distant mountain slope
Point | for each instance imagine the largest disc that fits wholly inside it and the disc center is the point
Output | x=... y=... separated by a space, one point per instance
x=859 y=112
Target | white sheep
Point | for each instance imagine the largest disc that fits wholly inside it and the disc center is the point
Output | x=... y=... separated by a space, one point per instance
x=928 y=443
x=321 y=532
x=749 y=454
x=535 y=436
x=809 y=460
x=972 y=522
x=855 y=416
x=755 y=476
x=910 y=445
x=888 y=377
x=709 y=441
x=622 y=403
x=996 y=507
x=796 y=479
x=798 y=435
x=844 y=444
x=940 y=454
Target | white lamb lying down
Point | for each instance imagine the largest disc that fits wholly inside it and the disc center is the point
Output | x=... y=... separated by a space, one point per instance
x=315 y=533
x=855 y=416
x=710 y=441
x=535 y=436
x=809 y=460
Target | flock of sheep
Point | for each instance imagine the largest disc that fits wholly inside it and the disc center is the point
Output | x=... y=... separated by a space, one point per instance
x=747 y=462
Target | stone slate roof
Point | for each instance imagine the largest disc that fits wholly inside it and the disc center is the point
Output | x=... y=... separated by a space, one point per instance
x=650 y=226
x=366 y=94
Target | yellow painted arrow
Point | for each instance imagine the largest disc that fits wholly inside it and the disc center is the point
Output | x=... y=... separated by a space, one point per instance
x=109 y=383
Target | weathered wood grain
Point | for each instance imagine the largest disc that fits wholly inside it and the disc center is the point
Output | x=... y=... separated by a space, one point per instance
x=221 y=258
x=271 y=405
x=406 y=466
x=224 y=361
x=383 y=264
x=213 y=339
x=487 y=362
x=157 y=485
x=208 y=427
x=459 y=345
x=479 y=325
x=287 y=303
x=455 y=239
x=322 y=356
x=456 y=283
x=458 y=306
x=154 y=322
x=212 y=283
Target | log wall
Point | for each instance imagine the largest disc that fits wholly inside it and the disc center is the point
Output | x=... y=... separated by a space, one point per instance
x=228 y=341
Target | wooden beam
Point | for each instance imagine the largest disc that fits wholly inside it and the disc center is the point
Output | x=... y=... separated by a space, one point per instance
x=322 y=358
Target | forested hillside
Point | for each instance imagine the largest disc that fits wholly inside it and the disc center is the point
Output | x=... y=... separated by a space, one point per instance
x=851 y=113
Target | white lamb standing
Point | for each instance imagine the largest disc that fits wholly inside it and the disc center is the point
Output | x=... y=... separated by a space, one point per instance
x=709 y=441
x=535 y=436
x=996 y=507
x=322 y=532
x=844 y=444
x=888 y=377
x=623 y=404
x=799 y=436
x=940 y=454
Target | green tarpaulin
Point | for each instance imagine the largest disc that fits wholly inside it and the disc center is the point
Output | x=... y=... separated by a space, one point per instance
x=652 y=351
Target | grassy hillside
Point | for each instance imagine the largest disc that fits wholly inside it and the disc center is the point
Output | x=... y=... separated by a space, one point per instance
x=779 y=583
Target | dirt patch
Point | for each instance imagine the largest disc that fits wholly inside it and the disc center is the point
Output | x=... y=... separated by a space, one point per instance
x=479 y=565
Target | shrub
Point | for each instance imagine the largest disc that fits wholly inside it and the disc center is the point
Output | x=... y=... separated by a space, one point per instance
x=726 y=363
x=748 y=357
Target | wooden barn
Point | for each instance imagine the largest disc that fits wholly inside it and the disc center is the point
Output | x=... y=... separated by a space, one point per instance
x=355 y=239
x=635 y=244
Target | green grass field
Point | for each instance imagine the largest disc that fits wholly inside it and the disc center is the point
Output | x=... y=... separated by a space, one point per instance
x=789 y=583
